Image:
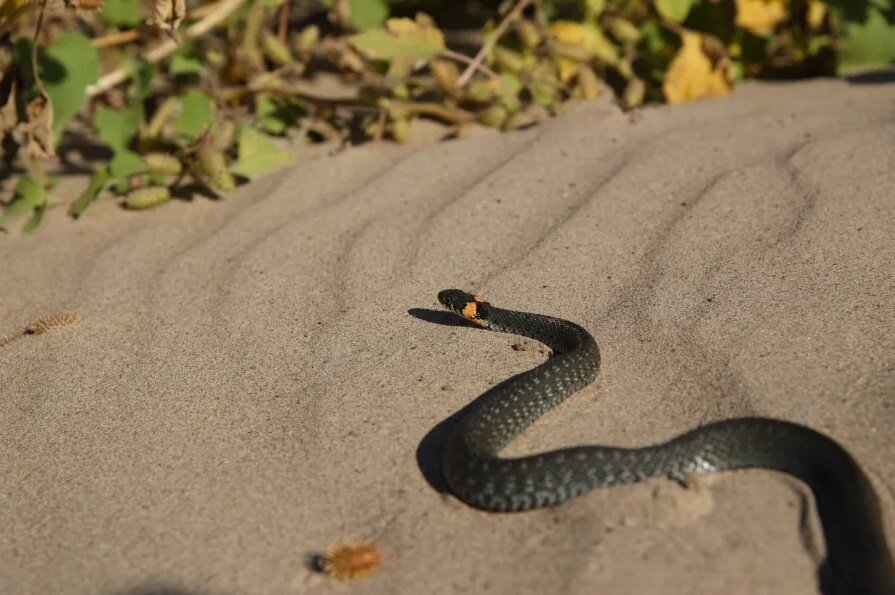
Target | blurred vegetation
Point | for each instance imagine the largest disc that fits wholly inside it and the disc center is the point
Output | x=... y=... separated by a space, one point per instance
x=174 y=95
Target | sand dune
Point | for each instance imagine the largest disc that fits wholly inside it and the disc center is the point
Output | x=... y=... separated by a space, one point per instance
x=253 y=379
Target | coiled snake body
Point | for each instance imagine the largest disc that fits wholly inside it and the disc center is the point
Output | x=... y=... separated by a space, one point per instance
x=858 y=558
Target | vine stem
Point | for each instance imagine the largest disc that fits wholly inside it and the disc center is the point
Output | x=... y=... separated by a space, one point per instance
x=491 y=41
x=467 y=60
x=161 y=51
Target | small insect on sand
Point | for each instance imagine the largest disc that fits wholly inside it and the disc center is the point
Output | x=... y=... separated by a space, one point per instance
x=350 y=560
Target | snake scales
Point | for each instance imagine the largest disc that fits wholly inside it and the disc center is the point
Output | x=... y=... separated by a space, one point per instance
x=858 y=558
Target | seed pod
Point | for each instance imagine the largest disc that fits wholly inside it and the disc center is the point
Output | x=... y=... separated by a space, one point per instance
x=306 y=41
x=275 y=49
x=161 y=116
x=508 y=59
x=588 y=82
x=446 y=75
x=209 y=166
x=623 y=30
x=146 y=198
x=493 y=115
x=480 y=90
x=165 y=164
x=634 y=92
x=576 y=53
x=528 y=34
x=400 y=130
x=401 y=91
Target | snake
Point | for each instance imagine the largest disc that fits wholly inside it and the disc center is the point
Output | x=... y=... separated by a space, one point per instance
x=858 y=559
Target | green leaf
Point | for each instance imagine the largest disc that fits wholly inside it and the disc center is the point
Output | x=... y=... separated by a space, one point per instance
x=276 y=116
x=141 y=85
x=122 y=13
x=98 y=182
x=593 y=8
x=66 y=68
x=117 y=127
x=674 y=10
x=196 y=114
x=508 y=89
x=124 y=165
x=404 y=39
x=258 y=153
x=185 y=65
x=368 y=14
x=29 y=195
x=869 y=44
x=35 y=218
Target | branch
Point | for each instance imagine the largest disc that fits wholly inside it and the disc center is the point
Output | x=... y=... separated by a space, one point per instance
x=489 y=44
x=215 y=17
x=467 y=60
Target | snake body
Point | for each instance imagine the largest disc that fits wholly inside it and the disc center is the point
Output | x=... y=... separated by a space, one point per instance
x=858 y=558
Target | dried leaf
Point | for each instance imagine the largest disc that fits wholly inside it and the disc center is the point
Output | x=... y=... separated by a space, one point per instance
x=167 y=14
x=38 y=129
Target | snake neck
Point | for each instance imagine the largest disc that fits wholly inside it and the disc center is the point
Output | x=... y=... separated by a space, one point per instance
x=561 y=336
x=508 y=408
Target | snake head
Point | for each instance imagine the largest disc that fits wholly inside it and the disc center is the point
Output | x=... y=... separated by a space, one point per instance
x=473 y=308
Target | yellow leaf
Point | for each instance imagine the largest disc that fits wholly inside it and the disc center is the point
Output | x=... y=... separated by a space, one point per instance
x=692 y=75
x=817 y=10
x=586 y=37
x=761 y=16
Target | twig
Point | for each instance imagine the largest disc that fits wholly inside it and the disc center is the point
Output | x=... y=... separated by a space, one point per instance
x=491 y=41
x=34 y=70
x=454 y=115
x=467 y=60
x=115 y=38
x=284 y=21
x=380 y=126
x=159 y=52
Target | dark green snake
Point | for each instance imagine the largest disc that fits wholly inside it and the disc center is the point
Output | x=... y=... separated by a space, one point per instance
x=858 y=558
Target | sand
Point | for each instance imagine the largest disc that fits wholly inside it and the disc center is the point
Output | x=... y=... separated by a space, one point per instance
x=254 y=379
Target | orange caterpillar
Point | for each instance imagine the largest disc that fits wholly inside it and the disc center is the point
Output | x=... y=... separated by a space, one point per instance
x=350 y=560
x=41 y=326
x=48 y=322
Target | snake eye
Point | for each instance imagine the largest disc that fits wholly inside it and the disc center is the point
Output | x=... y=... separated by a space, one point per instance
x=455 y=300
